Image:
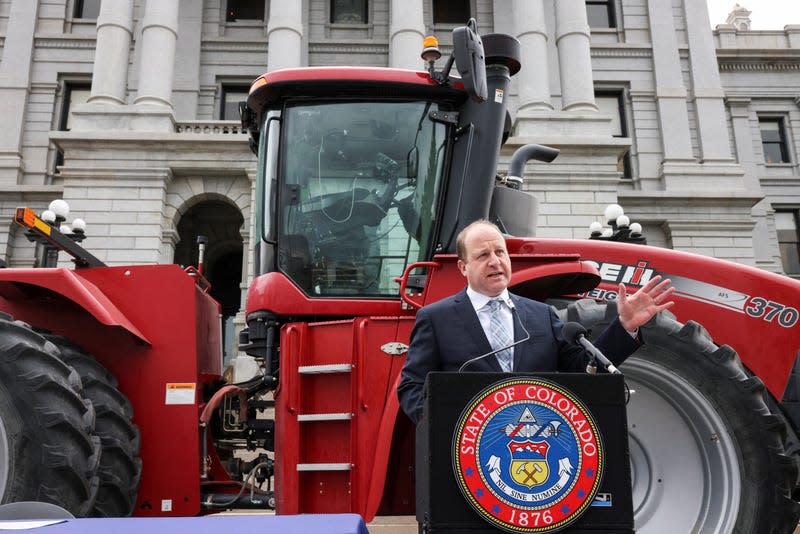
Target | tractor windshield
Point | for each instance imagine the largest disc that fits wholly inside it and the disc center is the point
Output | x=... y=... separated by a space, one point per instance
x=359 y=184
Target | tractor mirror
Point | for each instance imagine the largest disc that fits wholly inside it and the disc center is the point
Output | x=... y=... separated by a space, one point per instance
x=470 y=61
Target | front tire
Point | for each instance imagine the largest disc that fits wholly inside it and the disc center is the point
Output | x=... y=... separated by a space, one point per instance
x=706 y=453
x=47 y=451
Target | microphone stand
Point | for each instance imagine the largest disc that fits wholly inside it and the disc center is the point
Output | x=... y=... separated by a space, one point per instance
x=575 y=333
x=597 y=356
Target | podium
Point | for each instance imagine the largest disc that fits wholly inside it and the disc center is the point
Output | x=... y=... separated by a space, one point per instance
x=442 y=504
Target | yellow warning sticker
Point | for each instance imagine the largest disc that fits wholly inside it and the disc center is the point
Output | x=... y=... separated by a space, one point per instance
x=180 y=392
x=498 y=96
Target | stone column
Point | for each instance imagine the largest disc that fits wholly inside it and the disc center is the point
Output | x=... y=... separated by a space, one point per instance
x=573 y=40
x=159 y=35
x=533 y=80
x=15 y=81
x=112 y=54
x=584 y=178
x=285 y=35
x=707 y=87
x=670 y=91
x=406 y=30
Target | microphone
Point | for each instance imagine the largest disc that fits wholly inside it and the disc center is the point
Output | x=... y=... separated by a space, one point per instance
x=501 y=349
x=575 y=334
x=572 y=333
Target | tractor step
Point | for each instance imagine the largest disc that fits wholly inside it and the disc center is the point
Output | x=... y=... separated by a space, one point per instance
x=313 y=417
x=324 y=467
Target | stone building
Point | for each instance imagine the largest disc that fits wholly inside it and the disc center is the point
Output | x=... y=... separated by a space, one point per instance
x=128 y=110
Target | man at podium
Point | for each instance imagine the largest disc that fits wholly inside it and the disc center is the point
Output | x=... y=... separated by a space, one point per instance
x=485 y=328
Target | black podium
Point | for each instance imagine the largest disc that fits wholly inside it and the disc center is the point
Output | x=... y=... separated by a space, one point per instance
x=441 y=506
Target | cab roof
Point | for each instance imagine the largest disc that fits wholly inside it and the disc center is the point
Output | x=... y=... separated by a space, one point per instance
x=347 y=82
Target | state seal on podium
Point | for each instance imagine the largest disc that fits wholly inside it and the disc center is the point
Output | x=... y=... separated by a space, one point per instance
x=527 y=455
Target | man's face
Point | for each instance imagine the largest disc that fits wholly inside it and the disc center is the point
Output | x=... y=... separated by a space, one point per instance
x=487 y=267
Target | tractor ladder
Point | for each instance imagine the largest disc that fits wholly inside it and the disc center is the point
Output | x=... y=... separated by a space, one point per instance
x=333 y=427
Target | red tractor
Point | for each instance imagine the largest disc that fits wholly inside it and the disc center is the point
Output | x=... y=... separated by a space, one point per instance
x=113 y=399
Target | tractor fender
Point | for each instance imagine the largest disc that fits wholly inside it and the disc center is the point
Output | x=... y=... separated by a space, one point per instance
x=558 y=276
x=71 y=286
x=536 y=276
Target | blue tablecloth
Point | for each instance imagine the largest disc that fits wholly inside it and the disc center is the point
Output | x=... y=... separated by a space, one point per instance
x=214 y=524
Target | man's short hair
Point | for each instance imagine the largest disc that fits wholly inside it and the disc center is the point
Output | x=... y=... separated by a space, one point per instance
x=461 y=249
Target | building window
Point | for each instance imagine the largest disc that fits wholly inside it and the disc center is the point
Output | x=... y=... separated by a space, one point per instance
x=773 y=140
x=86 y=9
x=787 y=223
x=231 y=96
x=451 y=11
x=349 y=11
x=601 y=14
x=244 y=10
x=613 y=103
x=74 y=94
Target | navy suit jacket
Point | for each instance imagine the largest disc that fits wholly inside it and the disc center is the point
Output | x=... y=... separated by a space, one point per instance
x=447 y=333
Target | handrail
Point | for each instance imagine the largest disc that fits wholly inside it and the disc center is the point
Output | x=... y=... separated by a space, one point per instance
x=201 y=281
x=403 y=280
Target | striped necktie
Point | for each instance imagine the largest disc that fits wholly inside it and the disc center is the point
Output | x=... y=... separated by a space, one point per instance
x=500 y=336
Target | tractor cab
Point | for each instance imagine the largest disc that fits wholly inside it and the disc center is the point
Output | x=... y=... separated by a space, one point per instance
x=352 y=166
x=365 y=171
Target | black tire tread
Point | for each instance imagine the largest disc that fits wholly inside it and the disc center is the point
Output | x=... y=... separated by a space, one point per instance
x=53 y=455
x=768 y=473
x=120 y=466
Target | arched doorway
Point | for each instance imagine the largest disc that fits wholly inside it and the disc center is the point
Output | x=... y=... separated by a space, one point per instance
x=221 y=223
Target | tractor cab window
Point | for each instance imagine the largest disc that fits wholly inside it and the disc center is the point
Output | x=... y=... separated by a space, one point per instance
x=359 y=182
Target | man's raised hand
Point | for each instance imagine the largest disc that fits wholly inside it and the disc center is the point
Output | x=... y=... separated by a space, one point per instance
x=653 y=297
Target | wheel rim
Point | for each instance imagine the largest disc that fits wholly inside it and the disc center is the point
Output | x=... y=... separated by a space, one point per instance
x=684 y=464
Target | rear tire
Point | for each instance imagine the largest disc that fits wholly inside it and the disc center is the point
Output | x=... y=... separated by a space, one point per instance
x=47 y=451
x=706 y=453
x=120 y=466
